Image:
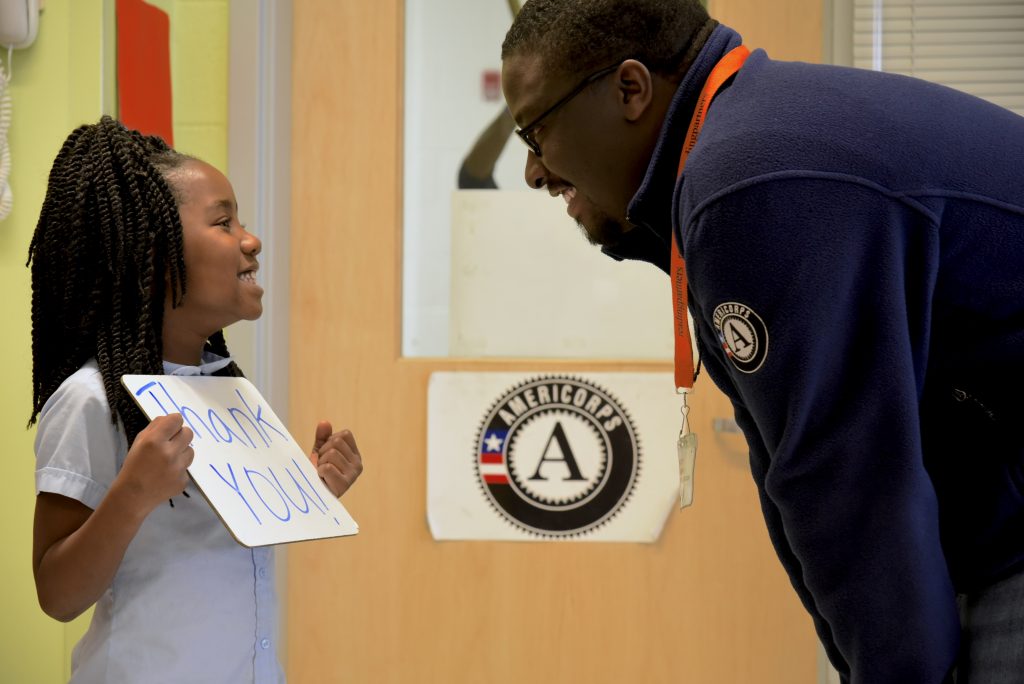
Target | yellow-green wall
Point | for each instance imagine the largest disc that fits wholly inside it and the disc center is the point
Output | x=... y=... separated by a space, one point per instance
x=199 y=74
x=58 y=84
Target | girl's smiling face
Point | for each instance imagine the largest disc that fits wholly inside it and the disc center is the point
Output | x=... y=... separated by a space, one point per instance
x=220 y=261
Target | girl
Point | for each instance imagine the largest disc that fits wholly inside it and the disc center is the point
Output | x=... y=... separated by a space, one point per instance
x=138 y=263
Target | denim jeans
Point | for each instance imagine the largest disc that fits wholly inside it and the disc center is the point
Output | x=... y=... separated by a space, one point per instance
x=992 y=646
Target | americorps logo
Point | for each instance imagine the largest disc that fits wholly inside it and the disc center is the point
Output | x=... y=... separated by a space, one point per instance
x=742 y=335
x=557 y=456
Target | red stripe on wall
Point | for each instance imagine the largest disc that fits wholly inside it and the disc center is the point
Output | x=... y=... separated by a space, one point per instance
x=144 y=68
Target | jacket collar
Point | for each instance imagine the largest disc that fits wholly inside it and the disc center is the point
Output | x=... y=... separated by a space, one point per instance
x=650 y=210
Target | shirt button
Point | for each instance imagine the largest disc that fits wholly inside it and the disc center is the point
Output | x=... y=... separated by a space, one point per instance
x=265 y=644
x=262 y=573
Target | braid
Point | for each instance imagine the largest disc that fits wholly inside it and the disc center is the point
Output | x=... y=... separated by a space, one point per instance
x=107 y=245
x=219 y=346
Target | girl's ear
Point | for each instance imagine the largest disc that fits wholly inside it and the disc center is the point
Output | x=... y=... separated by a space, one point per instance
x=635 y=89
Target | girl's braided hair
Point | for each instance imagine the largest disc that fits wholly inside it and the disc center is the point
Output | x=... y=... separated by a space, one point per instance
x=107 y=247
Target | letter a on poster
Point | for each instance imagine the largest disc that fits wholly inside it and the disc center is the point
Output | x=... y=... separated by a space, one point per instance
x=253 y=472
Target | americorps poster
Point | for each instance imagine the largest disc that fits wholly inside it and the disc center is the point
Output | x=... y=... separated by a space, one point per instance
x=551 y=456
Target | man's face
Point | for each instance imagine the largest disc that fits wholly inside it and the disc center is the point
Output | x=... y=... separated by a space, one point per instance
x=580 y=144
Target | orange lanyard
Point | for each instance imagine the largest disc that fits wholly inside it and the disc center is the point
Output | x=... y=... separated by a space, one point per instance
x=722 y=72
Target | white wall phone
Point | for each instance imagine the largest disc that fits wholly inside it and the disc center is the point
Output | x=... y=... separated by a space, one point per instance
x=19 y=22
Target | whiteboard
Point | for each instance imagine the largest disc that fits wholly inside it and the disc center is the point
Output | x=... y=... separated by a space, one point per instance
x=251 y=470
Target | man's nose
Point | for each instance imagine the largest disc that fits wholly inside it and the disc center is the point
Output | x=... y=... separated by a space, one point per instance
x=536 y=173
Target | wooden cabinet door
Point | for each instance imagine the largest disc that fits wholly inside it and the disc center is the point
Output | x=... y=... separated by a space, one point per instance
x=708 y=603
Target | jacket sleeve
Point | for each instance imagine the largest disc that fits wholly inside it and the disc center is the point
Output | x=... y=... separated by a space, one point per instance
x=838 y=276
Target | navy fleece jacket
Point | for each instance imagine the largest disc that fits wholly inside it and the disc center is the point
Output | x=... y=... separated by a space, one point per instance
x=855 y=249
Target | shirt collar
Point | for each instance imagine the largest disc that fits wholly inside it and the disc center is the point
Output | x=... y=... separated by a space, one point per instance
x=208 y=365
x=650 y=210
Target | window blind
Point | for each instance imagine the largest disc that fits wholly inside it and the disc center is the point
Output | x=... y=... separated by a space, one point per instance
x=977 y=47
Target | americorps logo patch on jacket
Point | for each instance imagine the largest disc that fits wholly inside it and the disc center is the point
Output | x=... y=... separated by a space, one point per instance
x=742 y=334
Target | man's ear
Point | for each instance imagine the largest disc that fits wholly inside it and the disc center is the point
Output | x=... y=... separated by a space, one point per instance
x=635 y=88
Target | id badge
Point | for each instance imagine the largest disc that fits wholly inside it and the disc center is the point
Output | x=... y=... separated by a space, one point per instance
x=686 y=451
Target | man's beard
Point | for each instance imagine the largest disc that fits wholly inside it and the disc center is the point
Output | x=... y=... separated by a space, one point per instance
x=607 y=233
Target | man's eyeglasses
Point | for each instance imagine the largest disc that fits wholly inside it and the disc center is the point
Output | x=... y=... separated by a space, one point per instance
x=526 y=132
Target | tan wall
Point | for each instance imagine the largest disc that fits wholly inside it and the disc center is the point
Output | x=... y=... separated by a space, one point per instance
x=707 y=604
x=786 y=29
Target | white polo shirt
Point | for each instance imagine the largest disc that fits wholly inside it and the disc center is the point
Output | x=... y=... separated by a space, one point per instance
x=188 y=602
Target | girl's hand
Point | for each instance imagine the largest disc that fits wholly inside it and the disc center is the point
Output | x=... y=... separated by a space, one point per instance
x=336 y=458
x=155 y=467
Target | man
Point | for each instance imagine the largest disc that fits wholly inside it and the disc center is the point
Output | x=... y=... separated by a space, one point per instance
x=854 y=243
